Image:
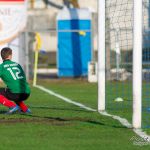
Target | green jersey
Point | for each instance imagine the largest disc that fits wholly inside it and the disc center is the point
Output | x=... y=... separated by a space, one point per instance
x=14 y=77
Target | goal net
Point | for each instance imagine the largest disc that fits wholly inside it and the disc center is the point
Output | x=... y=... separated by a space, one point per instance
x=119 y=40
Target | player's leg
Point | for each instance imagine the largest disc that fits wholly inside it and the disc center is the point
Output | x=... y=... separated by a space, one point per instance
x=20 y=102
x=4 y=100
x=18 y=98
x=23 y=107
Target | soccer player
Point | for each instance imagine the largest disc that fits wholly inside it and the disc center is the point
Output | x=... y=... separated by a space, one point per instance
x=17 y=89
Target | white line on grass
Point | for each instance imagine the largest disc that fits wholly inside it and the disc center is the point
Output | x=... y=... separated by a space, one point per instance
x=123 y=121
x=64 y=98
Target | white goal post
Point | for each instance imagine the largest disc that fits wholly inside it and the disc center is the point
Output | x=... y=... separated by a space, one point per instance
x=101 y=55
x=137 y=64
x=137 y=60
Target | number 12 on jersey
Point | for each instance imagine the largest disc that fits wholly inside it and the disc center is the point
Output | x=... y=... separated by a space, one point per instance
x=15 y=72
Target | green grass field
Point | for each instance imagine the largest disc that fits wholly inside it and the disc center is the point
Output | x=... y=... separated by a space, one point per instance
x=57 y=125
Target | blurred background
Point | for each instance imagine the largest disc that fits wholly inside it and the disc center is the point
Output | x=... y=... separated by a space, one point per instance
x=67 y=35
x=42 y=18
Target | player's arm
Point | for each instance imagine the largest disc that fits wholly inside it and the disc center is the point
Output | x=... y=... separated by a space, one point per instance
x=1 y=71
x=22 y=71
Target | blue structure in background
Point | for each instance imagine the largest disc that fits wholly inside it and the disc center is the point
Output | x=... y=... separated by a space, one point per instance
x=74 y=42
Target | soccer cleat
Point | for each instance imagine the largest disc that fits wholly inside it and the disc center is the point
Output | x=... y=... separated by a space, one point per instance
x=13 y=110
x=26 y=112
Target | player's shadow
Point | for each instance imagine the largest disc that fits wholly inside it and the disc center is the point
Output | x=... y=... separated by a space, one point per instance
x=60 y=108
x=94 y=122
x=3 y=111
x=72 y=120
x=68 y=120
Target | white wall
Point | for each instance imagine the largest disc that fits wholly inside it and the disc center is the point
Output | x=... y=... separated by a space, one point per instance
x=15 y=46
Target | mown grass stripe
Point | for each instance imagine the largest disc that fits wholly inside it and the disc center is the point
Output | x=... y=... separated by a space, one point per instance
x=123 y=121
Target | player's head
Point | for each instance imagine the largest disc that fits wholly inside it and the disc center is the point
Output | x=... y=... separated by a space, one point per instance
x=6 y=53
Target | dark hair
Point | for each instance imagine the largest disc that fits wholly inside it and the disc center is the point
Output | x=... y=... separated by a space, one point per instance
x=5 y=52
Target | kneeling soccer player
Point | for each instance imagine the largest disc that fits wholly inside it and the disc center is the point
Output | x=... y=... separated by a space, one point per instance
x=17 y=89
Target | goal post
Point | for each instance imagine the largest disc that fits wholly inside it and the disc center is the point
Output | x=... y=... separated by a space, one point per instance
x=101 y=55
x=137 y=64
x=137 y=60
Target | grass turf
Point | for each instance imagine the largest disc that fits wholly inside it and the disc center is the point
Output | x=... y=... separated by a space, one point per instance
x=57 y=125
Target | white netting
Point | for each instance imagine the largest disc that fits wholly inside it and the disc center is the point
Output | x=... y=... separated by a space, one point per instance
x=119 y=47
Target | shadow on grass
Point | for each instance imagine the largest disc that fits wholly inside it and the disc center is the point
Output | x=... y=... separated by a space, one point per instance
x=3 y=112
x=54 y=120
x=59 y=108
x=73 y=120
